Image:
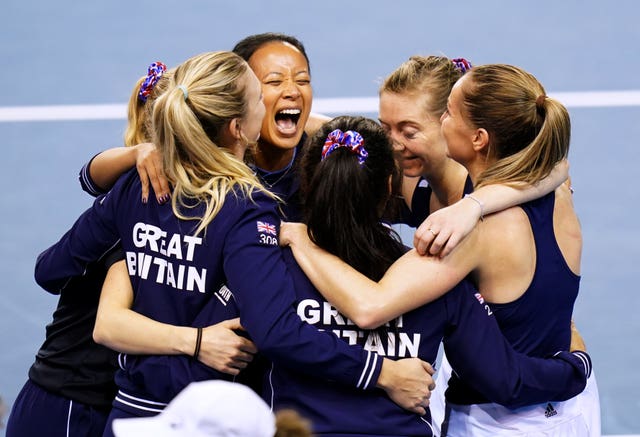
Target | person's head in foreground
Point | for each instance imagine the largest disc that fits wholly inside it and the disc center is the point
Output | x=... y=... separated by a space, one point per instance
x=215 y=408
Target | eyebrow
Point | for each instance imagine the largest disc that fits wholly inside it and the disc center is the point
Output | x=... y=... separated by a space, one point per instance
x=277 y=73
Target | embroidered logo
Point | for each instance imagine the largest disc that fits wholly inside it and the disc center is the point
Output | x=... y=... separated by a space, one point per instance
x=549 y=411
x=267 y=233
x=224 y=294
x=266 y=228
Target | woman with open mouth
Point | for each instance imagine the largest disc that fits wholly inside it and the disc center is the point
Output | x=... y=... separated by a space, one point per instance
x=282 y=66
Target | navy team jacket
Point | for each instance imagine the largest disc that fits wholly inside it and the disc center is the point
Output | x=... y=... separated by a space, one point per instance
x=233 y=268
x=473 y=343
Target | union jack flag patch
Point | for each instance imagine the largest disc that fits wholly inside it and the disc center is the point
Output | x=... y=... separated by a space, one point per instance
x=266 y=228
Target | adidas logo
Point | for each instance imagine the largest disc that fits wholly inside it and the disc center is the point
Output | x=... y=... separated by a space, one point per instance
x=550 y=411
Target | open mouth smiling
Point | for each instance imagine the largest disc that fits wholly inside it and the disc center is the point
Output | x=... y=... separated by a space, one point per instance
x=287 y=121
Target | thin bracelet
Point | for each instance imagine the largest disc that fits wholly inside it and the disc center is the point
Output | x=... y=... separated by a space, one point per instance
x=198 y=343
x=480 y=204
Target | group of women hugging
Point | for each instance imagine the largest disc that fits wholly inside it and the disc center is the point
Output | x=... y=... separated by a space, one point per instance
x=240 y=237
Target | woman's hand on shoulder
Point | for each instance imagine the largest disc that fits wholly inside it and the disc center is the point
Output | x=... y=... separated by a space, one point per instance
x=151 y=172
x=292 y=233
x=444 y=229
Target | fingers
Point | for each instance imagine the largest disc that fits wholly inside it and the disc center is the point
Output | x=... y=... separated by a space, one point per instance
x=248 y=346
x=423 y=238
x=144 y=181
x=419 y=410
x=159 y=183
x=429 y=369
x=451 y=243
x=149 y=166
x=439 y=242
x=232 y=324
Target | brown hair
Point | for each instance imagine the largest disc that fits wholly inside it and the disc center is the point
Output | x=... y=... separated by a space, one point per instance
x=431 y=76
x=528 y=132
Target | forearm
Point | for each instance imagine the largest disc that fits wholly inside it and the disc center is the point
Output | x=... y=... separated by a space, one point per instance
x=410 y=282
x=498 y=197
x=338 y=282
x=126 y=331
x=484 y=360
x=120 y=328
x=110 y=164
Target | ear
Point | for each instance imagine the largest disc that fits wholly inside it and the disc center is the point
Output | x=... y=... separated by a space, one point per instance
x=234 y=129
x=480 y=140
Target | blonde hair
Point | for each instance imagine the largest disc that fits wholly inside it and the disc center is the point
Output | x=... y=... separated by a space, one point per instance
x=528 y=131
x=431 y=76
x=203 y=95
x=139 y=129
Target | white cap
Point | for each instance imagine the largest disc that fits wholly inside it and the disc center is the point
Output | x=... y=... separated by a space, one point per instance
x=207 y=408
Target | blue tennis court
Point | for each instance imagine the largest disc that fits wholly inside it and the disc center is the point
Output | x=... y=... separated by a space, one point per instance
x=69 y=67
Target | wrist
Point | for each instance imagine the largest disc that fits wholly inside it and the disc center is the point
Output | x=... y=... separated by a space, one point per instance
x=184 y=340
x=478 y=203
x=384 y=379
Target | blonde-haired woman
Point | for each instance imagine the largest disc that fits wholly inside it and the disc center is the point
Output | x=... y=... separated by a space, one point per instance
x=210 y=254
x=525 y=261
x=103 y=170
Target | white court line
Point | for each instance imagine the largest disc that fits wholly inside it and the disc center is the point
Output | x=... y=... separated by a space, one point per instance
x=586 y=99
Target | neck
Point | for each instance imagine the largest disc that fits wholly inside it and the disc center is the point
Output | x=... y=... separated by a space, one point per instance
x=447 y=184
x=476 y=168
x=272 y=158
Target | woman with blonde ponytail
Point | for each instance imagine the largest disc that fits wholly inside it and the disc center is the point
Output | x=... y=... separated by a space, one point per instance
x=208 y=256
x=525 y=261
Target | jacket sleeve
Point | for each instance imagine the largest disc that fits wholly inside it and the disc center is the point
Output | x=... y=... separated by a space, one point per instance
x=91 y=237
x=86 y=181
x=483 y=358
x=264 y=291
x=169 y=373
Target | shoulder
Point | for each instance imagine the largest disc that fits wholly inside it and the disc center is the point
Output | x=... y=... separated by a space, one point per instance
x=506 y=221
x=315 y=122
x=257 y=203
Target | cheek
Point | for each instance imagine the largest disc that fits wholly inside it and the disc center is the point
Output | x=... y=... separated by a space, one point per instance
x=307 y=93
x=269 y=99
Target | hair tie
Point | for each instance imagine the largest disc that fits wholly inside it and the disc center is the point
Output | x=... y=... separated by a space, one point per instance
x=349 y=139
x=462 y=65
x=185 y=93
x=154 y=73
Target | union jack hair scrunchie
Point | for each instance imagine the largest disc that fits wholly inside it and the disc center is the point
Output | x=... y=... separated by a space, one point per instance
x=349 y=139
x=462 y=65
x=154 y=73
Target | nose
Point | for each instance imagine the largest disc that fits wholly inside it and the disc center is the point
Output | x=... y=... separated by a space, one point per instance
x=291 y=89
x=397 y=145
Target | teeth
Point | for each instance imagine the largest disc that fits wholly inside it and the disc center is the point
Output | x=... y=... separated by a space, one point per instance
x=290 y=111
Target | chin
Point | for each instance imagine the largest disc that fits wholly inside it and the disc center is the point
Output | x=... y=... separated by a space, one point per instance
x=413 y=171
x=288 y=142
